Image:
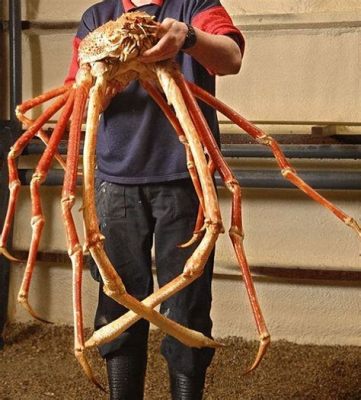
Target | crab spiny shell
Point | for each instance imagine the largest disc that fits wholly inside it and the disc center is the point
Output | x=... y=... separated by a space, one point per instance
x=119 y=40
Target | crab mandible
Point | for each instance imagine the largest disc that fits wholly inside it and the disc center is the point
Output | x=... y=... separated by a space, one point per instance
x=109 y=59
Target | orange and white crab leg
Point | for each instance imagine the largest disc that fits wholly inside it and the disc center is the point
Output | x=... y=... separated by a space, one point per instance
x=14 y=182
x=287 y=170
x=166 y=73
x=236 y=230
x=199 y=227
x=158 y=98
x=43 y=137
x=38 y=220
x=213 y=225
x=29 y=104
x=113 y=285
x=195 y=264
x=75 y=250
x=111 y=331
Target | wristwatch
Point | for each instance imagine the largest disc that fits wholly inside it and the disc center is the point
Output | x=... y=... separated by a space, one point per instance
x=190 y=39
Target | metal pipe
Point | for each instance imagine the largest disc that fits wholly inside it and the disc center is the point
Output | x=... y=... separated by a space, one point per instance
x=37 y=147
x=7 y=138
x=55 y=177
x=4 y=263
x=323 y=151
x=271 y=179
x=15 y=62
x=35 y=26
x=294 y=275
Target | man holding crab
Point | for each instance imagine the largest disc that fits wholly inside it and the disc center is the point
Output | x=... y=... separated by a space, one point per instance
x=145 y=194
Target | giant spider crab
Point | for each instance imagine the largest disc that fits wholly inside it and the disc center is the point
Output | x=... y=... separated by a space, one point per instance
x=109 y=59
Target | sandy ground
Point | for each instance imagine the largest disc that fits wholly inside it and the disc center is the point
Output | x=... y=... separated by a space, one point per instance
x=37 y=363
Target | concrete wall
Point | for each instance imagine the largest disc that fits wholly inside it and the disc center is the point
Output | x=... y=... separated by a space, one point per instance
x=301 y=68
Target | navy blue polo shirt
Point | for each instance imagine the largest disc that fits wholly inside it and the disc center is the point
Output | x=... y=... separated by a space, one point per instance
x=136 y=143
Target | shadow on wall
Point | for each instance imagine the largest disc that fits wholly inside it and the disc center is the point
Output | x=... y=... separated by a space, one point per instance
x=4 y=77
x=4 y=73
x=31 y=9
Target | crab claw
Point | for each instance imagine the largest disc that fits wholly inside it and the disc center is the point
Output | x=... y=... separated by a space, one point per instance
x=6 y=254
x=23 y=300
x=263 y=346
x=84 y=363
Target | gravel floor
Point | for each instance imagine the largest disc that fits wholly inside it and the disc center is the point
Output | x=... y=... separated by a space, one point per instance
x=37 y=363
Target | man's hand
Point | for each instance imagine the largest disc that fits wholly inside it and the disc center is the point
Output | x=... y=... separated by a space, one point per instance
x=220 y=54
x=172 y=34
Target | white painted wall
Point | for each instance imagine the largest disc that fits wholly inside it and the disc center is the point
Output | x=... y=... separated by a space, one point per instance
x=301 y=64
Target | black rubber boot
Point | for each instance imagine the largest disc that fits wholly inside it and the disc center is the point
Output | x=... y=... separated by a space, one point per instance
x=126 y=374
x=183 y=387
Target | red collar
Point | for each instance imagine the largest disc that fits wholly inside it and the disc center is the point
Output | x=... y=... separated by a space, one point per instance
x=128 y=4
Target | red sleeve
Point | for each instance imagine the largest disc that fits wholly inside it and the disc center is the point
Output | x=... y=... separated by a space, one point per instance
x=74 y=65
x=216 y=20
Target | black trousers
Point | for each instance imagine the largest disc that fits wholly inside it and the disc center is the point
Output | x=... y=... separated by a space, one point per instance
x=131 y=217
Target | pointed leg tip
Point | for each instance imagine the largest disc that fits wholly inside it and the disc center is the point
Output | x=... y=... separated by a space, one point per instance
x=189 y=243
x=84 y=363
x=44 y=321
x=218 y=345
x=353 y=224
x=208 y=342
x=6 y=254
x=90 y=343
x=100 y=386
x=24 y=302
x=183 y=245
x=264 y=344
x=38 y=318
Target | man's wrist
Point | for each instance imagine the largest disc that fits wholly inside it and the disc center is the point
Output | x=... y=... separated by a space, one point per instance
x=190 y=39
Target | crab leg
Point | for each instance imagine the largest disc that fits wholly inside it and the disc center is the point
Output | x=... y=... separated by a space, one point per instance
x=42 y=98
x=43 y=137
x=38 y=220
x=109 y=332
x=24 y=107
x=67 y=202
x=14 y=182
x=286 y=169
x=196 y=262
x=158 y=98
x=199 y=226
x=167 y=75
x=213 y=225
x=198 y=230
x=236 y=230
x=113 y=285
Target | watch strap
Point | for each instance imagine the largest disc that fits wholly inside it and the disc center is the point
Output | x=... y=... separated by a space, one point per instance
x=190 y=39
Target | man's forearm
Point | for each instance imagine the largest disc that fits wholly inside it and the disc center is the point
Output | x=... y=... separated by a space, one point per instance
x=218 y=53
